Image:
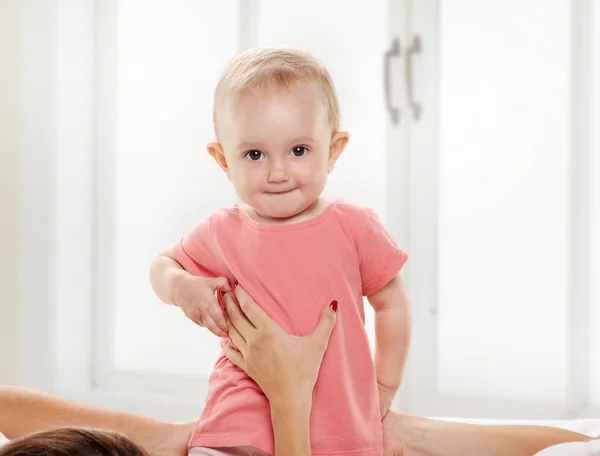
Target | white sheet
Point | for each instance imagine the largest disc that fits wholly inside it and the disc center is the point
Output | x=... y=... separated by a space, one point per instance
x=573 y=449
x=3 y=440
x=589 y=427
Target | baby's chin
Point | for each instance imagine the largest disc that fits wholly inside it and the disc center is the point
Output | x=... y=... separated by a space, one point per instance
x=278 y=216
x=281 y=213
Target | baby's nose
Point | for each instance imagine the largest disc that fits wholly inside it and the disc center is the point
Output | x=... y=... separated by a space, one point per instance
x=278 y=172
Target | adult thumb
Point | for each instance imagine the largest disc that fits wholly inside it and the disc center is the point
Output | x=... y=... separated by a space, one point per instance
x=326 y=323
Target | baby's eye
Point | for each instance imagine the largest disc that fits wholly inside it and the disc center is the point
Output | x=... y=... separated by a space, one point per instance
x=254 y=155
x=299 y=151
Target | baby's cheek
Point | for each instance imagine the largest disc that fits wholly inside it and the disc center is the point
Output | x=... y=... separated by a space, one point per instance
x=250 y=185
x=249 y=192
x=315 y=180
x=239 y=179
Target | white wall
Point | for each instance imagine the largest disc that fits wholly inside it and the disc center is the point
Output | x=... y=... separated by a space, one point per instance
x=10 y=15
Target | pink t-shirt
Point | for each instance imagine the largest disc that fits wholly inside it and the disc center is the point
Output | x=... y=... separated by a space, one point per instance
x=293 y=271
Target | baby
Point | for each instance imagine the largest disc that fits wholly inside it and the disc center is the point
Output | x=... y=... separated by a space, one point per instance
x=276 y=119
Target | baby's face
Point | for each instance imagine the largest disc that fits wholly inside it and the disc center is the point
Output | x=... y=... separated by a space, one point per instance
x=276 y=148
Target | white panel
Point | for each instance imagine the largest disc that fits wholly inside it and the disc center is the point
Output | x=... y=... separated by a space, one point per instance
x=11 y=93
x=595 y=230
x=503 y=251
x=170 y=56
x=74 y=191
x=350 y=40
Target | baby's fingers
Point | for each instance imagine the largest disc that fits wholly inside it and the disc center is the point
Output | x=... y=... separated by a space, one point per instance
x=196 y=317
x=216 y=314
x=213 y=327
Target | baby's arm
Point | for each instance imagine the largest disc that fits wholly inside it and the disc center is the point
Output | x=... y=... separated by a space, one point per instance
x=380 y=262
x=393 y=327
x=194 y=295
x=188 y=275
x=166 y=275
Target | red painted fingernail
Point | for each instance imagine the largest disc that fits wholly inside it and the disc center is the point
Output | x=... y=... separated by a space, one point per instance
x=334 y=305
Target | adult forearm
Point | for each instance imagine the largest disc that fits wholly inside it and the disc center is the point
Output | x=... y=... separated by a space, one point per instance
x=291 y=428
x=165 y=276
x=392 y=340
x=430 y=437
x=23 y=411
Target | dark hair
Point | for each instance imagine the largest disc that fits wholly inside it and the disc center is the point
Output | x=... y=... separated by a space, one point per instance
x=70 y=441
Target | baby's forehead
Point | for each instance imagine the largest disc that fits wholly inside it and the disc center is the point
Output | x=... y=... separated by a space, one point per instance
x=304 y=105
x=302 y=94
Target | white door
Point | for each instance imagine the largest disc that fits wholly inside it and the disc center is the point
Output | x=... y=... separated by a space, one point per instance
x=491 y=214
x=594 y=147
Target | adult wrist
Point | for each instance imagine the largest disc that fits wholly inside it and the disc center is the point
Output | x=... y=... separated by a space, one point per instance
x=291 y=427
x=297 y=405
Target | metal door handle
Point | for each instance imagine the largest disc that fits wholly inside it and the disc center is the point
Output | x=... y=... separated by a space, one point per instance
x=394 y=51
x=412 y=50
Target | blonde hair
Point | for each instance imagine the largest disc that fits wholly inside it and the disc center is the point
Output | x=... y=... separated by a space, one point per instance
x=275 y=67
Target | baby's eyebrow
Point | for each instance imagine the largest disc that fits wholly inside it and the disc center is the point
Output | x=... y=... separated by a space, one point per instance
x=303 y=139
x=247 y=145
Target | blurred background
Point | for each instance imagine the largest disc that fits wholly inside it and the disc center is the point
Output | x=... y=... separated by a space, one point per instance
x=474 y=134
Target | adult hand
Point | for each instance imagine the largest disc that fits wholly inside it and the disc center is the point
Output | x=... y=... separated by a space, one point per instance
x=171 y=439
x=394 y=430
x=285 y=367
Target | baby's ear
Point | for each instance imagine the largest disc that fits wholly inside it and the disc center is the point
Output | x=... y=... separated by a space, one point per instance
x=216 y=151
x=338 y=144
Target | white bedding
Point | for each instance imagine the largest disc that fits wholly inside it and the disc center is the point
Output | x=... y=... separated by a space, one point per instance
x=589 y=427
x=3 y=440
x=573 y=449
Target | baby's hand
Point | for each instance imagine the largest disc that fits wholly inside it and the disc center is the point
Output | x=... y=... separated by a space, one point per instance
x=196 y=297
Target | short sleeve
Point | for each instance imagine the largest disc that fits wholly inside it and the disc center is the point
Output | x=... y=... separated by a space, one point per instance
x=195 y=252
x=380 y=258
